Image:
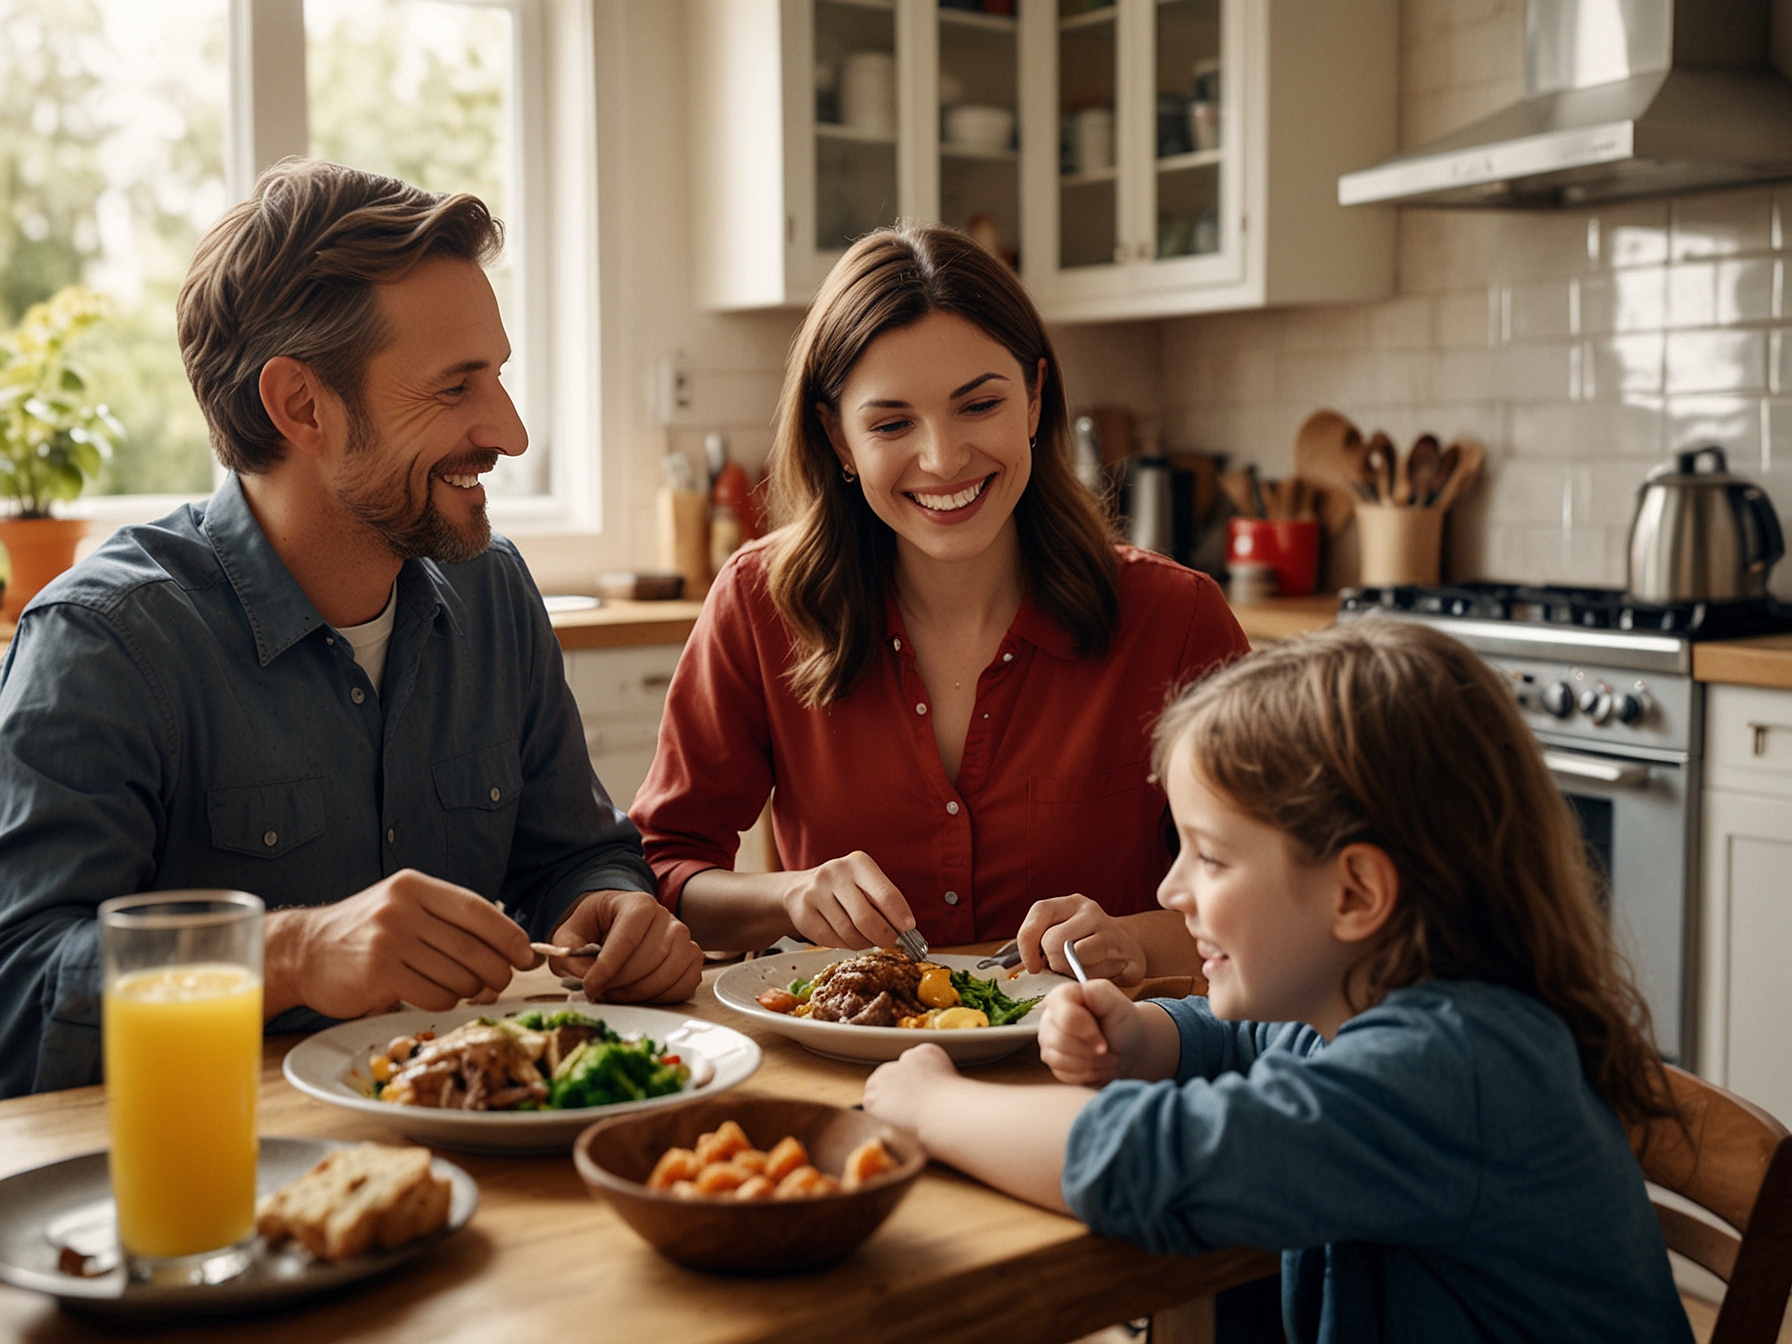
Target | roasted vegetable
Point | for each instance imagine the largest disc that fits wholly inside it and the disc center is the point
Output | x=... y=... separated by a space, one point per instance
x=986 y=995
x=600 y=1073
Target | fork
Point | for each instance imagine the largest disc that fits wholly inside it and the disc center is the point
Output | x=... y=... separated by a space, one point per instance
x=912 y=942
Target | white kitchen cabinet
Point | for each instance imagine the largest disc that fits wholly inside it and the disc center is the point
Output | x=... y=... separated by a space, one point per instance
x=1746 y=894
x=791 y=157
x=1191 y=219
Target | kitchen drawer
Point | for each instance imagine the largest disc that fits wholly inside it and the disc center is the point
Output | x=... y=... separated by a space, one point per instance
x=622 y=684
x=1748 y=739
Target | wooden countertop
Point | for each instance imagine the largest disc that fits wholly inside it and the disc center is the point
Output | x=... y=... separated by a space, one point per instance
x=542 y=1260
x=1285 y=617
x=1765 y=661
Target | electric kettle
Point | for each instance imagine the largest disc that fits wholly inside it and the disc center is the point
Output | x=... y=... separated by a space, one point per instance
x=1701 y=534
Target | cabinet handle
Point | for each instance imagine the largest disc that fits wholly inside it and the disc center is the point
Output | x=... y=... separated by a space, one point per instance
x=656 y=681
x=1760 y=731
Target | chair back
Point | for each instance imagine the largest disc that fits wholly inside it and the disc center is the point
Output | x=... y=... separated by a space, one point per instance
x=1734 y=1161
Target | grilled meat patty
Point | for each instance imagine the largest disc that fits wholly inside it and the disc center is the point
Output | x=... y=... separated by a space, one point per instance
x=873 y=989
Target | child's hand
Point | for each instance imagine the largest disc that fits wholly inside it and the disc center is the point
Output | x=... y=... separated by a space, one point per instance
x=899 y=1092
x=1104 y=944
x=1089 y=1034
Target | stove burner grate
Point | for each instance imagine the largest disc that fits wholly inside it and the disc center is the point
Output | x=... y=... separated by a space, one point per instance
x=1585 y=608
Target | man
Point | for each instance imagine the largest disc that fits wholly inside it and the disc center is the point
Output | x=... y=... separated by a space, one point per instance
x=328 y=685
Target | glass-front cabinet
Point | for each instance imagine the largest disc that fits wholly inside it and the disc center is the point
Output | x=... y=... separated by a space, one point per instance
x=1123 y=154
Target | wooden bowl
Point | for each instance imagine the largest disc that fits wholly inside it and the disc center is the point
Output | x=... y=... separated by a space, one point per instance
x=615 y=1157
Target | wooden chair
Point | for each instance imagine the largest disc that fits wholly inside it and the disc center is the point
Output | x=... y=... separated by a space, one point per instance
x=1738 y=1167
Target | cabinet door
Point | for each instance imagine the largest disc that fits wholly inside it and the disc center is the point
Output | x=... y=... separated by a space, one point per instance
x=1188 y=164
x=621 y=694
x=1747 y=934
x=848 y=51
x=972 y=128
x=1074 y=52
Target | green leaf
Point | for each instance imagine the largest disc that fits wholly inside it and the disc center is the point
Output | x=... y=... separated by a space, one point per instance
x=72 y=381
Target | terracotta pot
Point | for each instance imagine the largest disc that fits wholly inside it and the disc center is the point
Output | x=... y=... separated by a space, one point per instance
x=40 y=548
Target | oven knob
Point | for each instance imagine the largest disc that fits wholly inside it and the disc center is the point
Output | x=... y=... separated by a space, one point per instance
x=1630 y=706
x=1596 y=703
x=1558 y=699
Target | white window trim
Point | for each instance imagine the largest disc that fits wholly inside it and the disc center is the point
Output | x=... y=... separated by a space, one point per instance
x=556 y=258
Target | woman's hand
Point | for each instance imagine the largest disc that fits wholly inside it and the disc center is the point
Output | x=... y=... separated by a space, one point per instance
x=1090 y=1034
x=901 y=1091
x=847 y=902
x=1104 y=944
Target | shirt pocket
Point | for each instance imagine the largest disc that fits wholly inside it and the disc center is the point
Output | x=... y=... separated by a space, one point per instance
x=479 y=791
x=1099 y=835
x=266 y=821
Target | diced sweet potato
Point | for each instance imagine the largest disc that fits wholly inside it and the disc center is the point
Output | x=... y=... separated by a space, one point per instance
x=869 y=1159
x=805 y=1182
x=750 y=1159
x=755 y=1187
x=722 y=1143
x=786 y=1158
x=675 y=1164
x=720 y=1178
x=686 y=1190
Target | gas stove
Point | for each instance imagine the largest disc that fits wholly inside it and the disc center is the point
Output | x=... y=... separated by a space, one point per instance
x=1605 y=685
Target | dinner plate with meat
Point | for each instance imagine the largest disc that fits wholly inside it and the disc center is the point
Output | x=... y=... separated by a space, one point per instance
x=871 y=1006
x=516 y=1076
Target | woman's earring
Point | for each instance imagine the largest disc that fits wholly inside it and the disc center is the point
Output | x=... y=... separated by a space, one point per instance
x=1033 y=444
x=848 y=476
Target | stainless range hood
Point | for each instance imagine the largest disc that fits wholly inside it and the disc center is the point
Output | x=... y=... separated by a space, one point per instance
x=1623 y=98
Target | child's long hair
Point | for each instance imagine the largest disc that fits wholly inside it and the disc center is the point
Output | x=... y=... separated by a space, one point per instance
x=1397 y=735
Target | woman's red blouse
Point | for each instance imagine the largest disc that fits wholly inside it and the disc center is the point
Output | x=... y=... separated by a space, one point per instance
x=1054 y=793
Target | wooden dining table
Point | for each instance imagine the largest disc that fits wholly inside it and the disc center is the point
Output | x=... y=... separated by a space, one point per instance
x=543 y=1260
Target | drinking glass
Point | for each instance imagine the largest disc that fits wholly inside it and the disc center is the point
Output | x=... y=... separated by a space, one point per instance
x=181 y=1019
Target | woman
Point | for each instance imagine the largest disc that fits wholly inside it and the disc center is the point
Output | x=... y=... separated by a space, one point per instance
x=939 y=658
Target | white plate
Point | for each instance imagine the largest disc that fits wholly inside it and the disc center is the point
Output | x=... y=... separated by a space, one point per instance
x=739 y=987
x=332 y=1066
x=69 y=1203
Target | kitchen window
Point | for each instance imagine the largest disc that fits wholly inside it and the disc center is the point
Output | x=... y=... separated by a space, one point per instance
x=127 y=127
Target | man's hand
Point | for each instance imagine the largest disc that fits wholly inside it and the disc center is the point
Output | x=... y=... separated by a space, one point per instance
x=647 y=956
x=1104 y=944
x=411 y=937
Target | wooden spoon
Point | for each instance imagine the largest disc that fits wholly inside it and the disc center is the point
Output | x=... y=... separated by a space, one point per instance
x=1380 y=461
x=1420 y=471
x=1468 y=456
x=1328 y=457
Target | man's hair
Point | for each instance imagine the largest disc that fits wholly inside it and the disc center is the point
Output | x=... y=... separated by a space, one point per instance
x=291 y=271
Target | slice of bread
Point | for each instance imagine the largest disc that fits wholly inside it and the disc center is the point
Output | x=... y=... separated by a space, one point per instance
x=356 y=1199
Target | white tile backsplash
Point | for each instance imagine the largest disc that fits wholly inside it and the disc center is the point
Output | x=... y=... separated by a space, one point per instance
x=1579 y=346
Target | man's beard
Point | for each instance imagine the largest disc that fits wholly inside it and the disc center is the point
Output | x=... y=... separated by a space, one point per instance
x=386 y=500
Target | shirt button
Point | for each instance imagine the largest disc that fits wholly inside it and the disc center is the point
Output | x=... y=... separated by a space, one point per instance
x=986 y=714
x=896 y=644
x=356 y=694
x=330 y=640
x=952 y=809
x=391 y=836
x=921 y=708
x=951 y=898
x=497 y=793
x=1007 y=657
x=271 y=838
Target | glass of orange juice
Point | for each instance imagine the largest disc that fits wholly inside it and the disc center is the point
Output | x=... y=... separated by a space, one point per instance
x=181 y=1032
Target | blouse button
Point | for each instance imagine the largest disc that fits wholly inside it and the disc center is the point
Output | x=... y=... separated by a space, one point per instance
x=921 y=708
x=1007 y=657
x=270 y=838
x=952 y=809
x=951 y=898
x=896 y=644
x=497 y=793
x=356 y=694
x=391 y=836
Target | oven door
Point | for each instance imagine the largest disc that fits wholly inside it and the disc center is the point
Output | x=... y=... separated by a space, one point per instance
x=1636 y=817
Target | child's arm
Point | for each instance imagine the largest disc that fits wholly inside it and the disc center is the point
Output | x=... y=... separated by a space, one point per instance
x=1092 y=1034
x=1009 y=1137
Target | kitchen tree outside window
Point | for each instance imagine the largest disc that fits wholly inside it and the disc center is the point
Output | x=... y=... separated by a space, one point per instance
x=116 y=125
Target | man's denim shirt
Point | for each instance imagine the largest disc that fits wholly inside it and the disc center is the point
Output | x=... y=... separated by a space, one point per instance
x=175 y=713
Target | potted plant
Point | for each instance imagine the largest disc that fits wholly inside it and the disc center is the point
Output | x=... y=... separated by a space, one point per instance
x=52 y=439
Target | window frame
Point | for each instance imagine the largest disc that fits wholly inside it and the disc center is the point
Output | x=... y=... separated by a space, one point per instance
x=553 y=117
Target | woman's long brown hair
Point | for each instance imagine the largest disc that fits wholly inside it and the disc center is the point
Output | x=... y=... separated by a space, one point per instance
x=831 y=559
x=1397 y=735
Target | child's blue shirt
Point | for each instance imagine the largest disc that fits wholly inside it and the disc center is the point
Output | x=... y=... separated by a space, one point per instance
x=1440 y=1171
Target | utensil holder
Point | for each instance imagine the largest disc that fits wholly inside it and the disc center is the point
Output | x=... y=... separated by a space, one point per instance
x=1400 y=545
x=684 y=537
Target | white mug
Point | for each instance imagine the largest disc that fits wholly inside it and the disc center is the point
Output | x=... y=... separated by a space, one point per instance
x=868 y=92
x=1093 y=137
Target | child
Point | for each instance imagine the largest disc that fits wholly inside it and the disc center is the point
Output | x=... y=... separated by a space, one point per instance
x=1417 y=1048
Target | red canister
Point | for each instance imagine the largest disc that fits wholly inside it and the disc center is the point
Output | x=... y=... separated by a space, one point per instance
x=1290 y=546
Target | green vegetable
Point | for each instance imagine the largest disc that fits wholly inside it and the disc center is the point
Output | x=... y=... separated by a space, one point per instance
x=600 y=1073
x=1001 y=1010
x=802 y=989
x=535 y=1020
